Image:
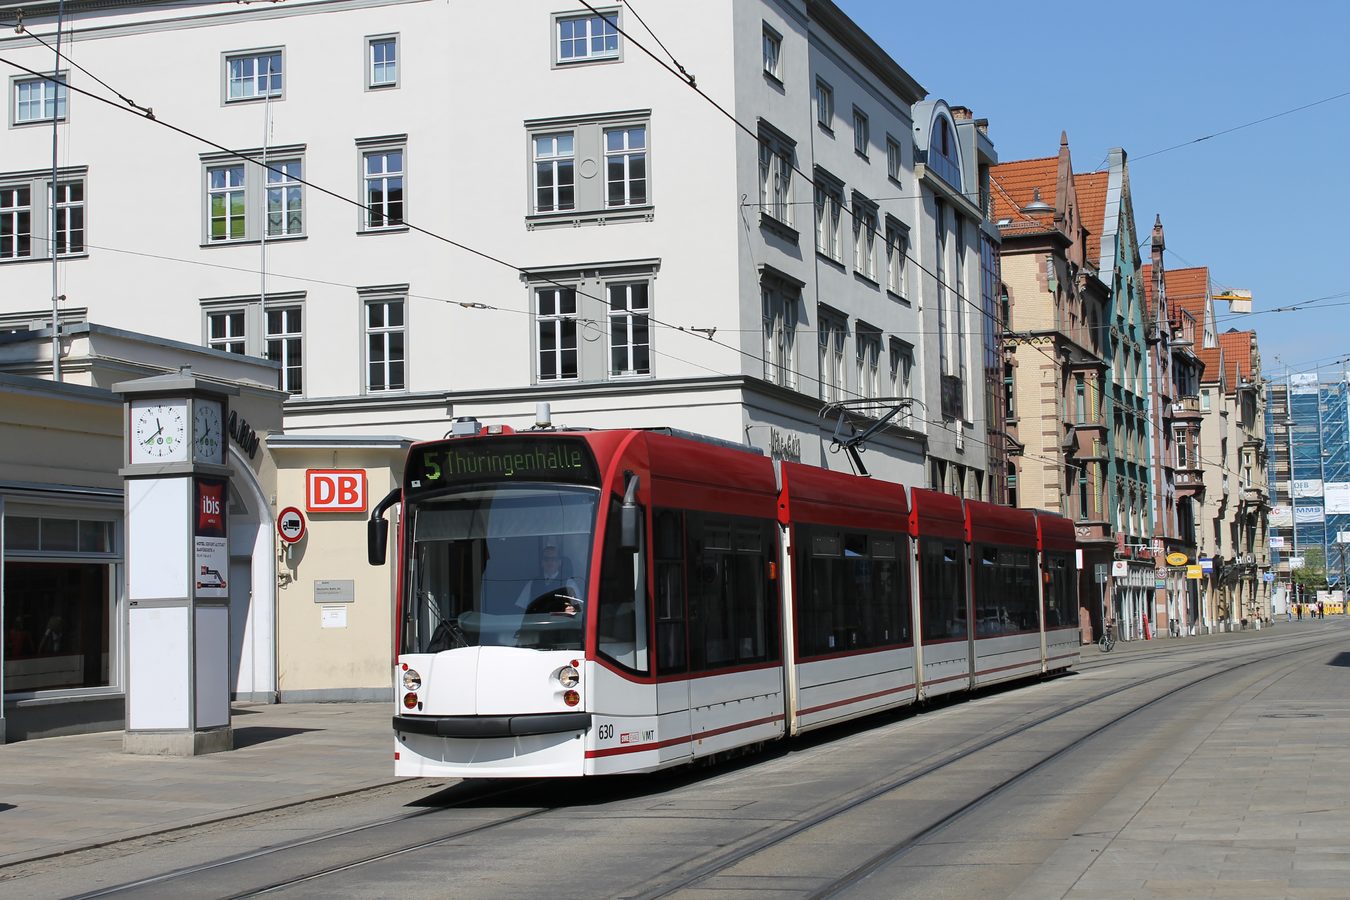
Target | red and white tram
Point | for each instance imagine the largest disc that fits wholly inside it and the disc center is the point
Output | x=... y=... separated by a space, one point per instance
x=596 y=602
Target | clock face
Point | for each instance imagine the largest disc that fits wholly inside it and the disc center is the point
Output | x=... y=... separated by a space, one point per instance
x=158 y=431
x=207 y=437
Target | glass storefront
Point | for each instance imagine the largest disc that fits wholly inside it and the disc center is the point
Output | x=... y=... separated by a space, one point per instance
x=59 y=584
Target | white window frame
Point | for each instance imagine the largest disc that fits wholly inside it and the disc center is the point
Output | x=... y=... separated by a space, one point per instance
x=589 y=147
x=233 y=336
x=286 y=346
x=831 y=331
x=780 y=305
x=283 y=179
x=776 y=155
x=867 y=341
x=622 y=331
x=254 y=80
x=862 y=133
x=372 y=67
x=825 y=105
x=388 y=298
x=772 y=46
x=369 y=149
x=895 y=159
x=58 y=100
x=897 y=248
x=628 y=156
x=37 y=185
x=255 y=187
x=829 y=207
x=555 y=322
x=604 y=55
x=902 y=378
x=864 y=213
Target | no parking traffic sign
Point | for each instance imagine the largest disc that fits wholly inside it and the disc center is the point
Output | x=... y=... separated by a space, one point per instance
x=291 y=525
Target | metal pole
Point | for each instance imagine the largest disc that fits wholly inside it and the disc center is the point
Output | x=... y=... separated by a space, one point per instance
x=51 y=196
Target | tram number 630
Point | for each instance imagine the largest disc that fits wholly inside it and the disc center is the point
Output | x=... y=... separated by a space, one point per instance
x=606 y=732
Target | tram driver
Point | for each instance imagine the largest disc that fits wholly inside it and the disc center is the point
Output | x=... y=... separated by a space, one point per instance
x=554 y=591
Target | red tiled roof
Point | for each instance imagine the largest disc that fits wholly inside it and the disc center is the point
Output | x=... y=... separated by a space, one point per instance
x=1237 y=354
x=1211 y=358
x=1188 y=289
x=1013 y=185
x=1090 y=189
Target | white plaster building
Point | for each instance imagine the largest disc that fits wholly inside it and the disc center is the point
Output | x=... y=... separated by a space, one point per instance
x=456 y=226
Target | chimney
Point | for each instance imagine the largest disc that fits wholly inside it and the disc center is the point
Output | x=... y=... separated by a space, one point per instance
x=962 y=113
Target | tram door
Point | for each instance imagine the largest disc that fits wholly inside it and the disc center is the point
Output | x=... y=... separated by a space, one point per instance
x=672 y=629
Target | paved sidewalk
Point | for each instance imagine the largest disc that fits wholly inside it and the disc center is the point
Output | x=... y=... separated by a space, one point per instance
x=66 y=793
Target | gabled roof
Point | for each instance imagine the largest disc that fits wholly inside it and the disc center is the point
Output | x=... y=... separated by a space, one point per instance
x=1188 y=289
x=1212 y=360
x=1091 y=191
x=1013 y=185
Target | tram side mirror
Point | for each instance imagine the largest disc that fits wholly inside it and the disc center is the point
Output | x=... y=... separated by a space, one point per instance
x=377 y=540
x=628 y=516
x=377 y=529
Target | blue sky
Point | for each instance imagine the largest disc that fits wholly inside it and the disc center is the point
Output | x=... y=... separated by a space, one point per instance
x=1264 y=207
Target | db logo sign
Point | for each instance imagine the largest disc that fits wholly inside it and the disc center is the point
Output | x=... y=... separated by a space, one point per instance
x=335 y=490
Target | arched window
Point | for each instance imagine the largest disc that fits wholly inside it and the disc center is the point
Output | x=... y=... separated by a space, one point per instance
x=942 y=155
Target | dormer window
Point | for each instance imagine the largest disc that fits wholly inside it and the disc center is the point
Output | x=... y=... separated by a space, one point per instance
x=943 y=157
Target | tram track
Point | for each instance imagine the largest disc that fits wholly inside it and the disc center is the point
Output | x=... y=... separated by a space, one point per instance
x=694 y=872
x=855 y=875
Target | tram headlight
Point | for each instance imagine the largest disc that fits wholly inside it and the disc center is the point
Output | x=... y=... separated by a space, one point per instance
x=411 y=680
x=567 y=677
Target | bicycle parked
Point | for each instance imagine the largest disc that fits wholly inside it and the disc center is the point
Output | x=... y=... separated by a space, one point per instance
x=1108 y=638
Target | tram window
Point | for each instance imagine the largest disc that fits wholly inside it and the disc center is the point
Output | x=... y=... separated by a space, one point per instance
x=621 y=623
x=942 y=580
x=732 y=614
x=668 y=551
x=1061 y=601
x=1005 y=596
x=853 y=592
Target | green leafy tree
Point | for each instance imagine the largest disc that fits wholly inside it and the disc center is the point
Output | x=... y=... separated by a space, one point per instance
x=1313 y=576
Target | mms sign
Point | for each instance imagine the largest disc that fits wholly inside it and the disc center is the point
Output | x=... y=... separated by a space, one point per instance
x=335 y=490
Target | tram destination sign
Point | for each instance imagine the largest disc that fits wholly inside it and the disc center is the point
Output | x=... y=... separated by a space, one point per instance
x=470 y=460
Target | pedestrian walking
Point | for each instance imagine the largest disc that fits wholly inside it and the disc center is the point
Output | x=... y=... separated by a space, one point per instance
x=1321 y=613
x=1298 y=611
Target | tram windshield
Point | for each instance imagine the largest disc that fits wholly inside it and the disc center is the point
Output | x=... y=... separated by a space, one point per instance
x=500 y=566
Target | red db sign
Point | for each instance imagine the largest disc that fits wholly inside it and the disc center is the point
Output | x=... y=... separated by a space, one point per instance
x=335 y=490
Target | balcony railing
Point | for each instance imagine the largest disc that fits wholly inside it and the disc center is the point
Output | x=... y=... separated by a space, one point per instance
x=1187 y=407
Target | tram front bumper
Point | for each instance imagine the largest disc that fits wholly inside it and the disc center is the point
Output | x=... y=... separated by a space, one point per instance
x=493 y=726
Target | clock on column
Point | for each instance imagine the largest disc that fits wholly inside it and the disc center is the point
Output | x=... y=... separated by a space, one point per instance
x=159 y=431
x=208 y=435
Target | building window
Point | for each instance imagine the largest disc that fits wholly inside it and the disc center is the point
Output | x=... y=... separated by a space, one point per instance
x=868 y=341
x=383 y=186
x=618 y=145
x=27 y=223
x=829 y=209
x=825 y=105
x=626 y=166
x=285 y=342
x=272 y=329
x=897 y=245
x=894 y=161
x=780 y=301
x=386 y=351
x=554 y=172
x=902 y=373
x=254 y=75
x=60 y=575
x=629 y=329
x=773 y=48
x=556 y=324
x=382 y=61
x=775 y=176
x=833 y=376
x=861 y=132
x=285 y=198
x=236 y=190
x=38 y=99
x=586 y=38
x=864 y=237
